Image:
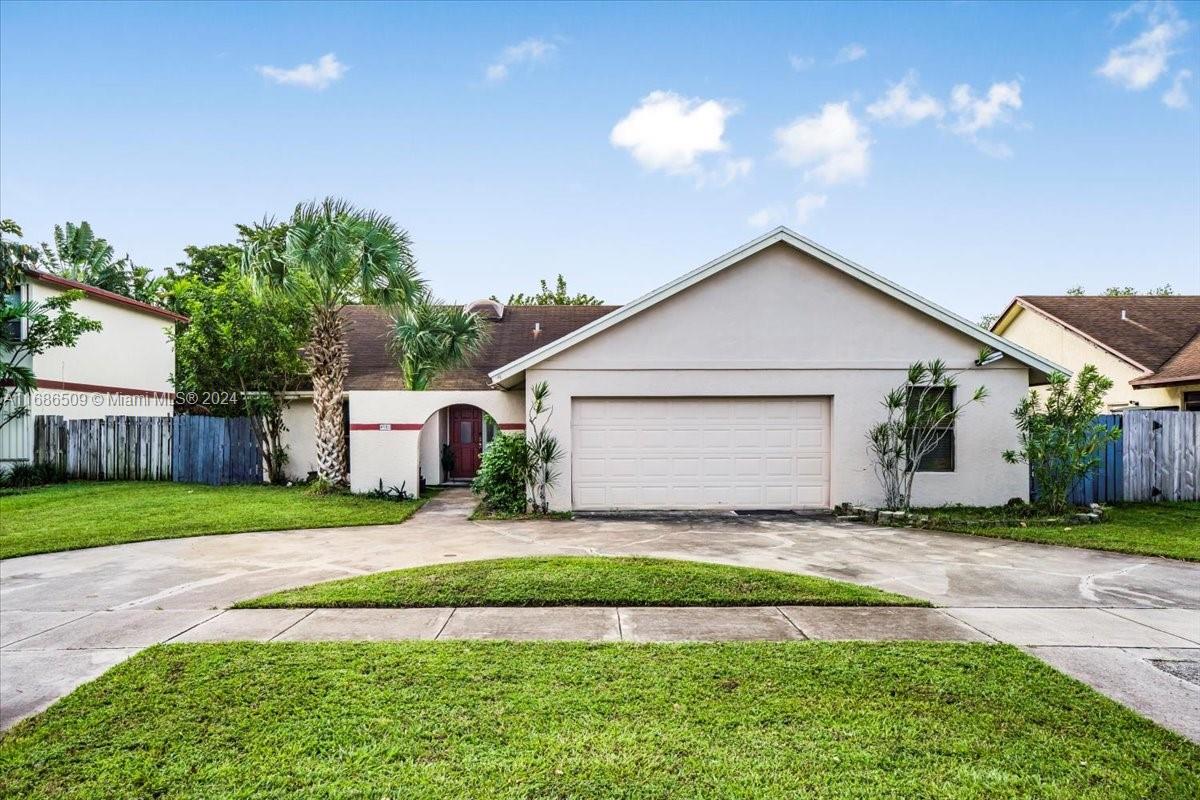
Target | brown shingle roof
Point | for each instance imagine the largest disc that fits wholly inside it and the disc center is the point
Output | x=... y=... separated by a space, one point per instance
x=1183 y=367
x=373 y=365
x=1153 y=331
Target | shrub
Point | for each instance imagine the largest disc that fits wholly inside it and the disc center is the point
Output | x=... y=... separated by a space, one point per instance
x=1061 y=440
x=501 y=477
x=22 y=475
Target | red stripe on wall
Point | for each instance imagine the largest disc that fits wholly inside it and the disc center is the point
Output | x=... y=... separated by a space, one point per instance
x=391 y=426
x=416 y=426
x=101 y=389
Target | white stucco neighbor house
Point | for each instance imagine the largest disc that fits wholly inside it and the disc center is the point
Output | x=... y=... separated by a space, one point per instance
x=123 y=369
x=748 y=383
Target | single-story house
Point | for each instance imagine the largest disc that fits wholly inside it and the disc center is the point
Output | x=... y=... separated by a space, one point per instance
x=1148 y=346
x=748 y=383
x=123 y=369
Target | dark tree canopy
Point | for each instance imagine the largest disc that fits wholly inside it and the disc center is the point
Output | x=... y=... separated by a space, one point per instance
x=558 y=296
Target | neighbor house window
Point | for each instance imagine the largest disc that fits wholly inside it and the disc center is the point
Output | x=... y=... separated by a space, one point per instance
x=941 y=457
x=12 y=330
x=1191 y=401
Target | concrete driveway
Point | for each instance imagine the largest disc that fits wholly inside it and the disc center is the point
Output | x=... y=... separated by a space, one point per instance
x=1128 y=625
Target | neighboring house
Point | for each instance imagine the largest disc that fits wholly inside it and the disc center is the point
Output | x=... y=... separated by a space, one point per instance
x=1148 y=346
x=123 y=369
x=749 y=383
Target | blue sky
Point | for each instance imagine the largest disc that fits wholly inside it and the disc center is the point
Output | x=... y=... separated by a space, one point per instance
x=968 y=151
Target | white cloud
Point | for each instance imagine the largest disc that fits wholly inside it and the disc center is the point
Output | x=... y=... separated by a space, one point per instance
x=832 y=144
x=762 y=218
x=807 y=204
x=530 y=51
x=670 y=133
x=899 y=104
x=316 y=76
x=1177 y=96
x=973 y=114
x=801 y=63
x=1138 y=64
x=725 y=172
x=851 y=52
x=803 y=209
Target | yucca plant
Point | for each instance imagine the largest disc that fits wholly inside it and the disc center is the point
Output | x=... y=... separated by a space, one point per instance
x=918 y=414
x=544 y=451
x=330 y=254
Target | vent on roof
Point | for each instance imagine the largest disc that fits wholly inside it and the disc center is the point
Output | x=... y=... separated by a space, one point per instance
x=486 y=309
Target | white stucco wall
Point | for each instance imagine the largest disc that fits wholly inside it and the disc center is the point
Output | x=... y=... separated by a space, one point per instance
x=782 y=324
x=300 y=438
x=431 y=447
x=394 y=454
x=1051 y=340
x=133 y=351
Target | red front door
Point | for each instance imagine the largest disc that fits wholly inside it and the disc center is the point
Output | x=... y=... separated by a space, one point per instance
x=466 y=440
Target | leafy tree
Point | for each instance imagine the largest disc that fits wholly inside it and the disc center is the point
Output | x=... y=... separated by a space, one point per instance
x=246 y=345
x=988 y=320
x=47 y=324
x=918 y=414
x=431 y=337
x=1166 y=290
x=78 y=254
x=552 y=297
x=15 y=256
x=1061 y=440
x=327 y=255
x=208 y=264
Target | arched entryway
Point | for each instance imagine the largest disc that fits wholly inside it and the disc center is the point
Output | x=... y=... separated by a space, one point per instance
x=452 y=442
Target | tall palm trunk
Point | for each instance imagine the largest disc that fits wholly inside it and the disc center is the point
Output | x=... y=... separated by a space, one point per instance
x=328 y=361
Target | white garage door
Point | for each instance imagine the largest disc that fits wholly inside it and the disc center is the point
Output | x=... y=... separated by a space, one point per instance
x=699 y=453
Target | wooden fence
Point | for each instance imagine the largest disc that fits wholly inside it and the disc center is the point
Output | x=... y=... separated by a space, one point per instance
x=215 y=450
x=1104 y=484
x=1161 y=455
x=185 y=448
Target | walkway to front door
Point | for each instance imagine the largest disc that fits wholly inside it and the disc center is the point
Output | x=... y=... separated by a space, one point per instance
x=466 y=441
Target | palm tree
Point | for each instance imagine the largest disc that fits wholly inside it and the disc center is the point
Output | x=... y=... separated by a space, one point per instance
x=431 y=337
x=329 y=255
x=82 y=256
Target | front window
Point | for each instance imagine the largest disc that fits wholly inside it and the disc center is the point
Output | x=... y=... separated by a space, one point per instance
x=937 y=403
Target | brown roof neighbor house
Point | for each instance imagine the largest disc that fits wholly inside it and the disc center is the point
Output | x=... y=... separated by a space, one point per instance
x=1148 y=345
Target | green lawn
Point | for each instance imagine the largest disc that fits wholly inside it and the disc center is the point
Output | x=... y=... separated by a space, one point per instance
x=77 y=515
x=526 y=720
x=1151 y=529
x=579 y=581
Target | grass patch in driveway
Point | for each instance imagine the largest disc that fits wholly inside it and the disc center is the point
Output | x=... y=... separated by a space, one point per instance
x=522 y=720
x=75 y=515
x=1171 y=530
x=579 y=581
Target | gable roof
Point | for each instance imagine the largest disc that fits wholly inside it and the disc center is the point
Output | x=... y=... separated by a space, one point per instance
x=510 y=371
x=1142 y=331
x=373 y=363
x=1183 y=367
x=96 y=293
